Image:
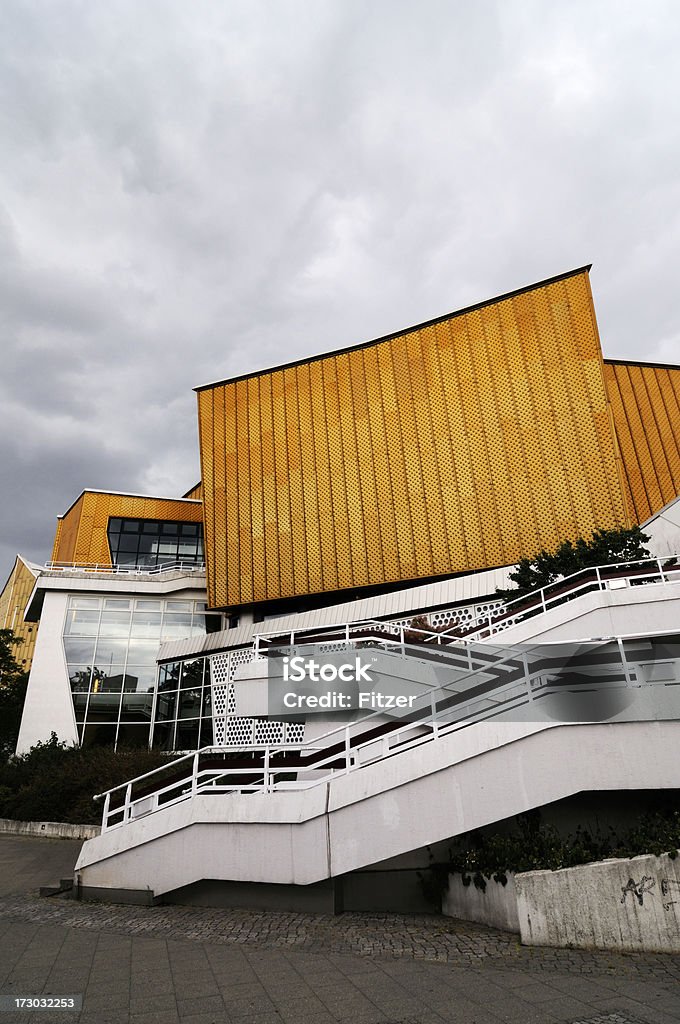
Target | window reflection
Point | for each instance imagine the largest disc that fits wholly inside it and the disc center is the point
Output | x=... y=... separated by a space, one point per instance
x=148 y=543
x=111 y=646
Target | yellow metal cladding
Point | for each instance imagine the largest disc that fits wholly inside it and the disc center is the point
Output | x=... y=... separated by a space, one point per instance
x=13 y=601
x=195 y=492
x=457 y=445
x=81 y=532
x=645 y=402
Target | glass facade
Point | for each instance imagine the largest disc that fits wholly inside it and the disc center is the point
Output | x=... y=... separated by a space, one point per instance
x=183 y=719
x=110 y=644
x=148 y=542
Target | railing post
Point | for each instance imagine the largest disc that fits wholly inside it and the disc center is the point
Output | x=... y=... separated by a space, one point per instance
x=543 y=604
x=266 y=769
x=348 y=752
x=624 y=662
x=105 y=812
x=435 y=724
x=126 y=805
x=194 y=775
x=661 y=574
x=598 y=576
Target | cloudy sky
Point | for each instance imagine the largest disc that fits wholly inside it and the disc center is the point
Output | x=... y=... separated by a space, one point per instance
x=193 y=189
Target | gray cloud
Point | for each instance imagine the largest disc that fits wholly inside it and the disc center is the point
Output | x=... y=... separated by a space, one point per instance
x=189 y=191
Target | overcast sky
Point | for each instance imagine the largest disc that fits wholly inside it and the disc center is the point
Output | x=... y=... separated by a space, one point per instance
x=190 y=190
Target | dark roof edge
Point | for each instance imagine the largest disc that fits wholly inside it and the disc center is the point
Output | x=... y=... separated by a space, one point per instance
x=187 y=493
x=398 y=334
x=642 y=362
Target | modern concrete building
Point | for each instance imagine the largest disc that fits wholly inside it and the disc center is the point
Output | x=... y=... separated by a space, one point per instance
x=354 y=491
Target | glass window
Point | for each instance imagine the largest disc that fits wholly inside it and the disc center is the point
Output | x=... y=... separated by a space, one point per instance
x=115 y=623
x=166 y=706
x=147 y=542
x=143 y=652
x=189 y=705
x=79 y=676
x=104 y=704
x=110 y=652
x=113 y=674
x=188 y=733
x=79 y=651
x=192 y=673
x=146 y=624
x=82 y=623
x=164 y=736
x=111 y=681
x=140 y=678
x=168 y=678
x=127 y=543
x=176 y=626
x=136 y=707
x=99 y=735
x=84 y=602
x=133 y=735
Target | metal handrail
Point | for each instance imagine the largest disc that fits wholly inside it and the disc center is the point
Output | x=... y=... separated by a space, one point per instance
x=351 y=747
x=123 y=570
x=595 y=577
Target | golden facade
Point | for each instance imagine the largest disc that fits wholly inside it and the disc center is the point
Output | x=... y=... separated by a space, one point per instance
x=13 y=601
x=81 y=536
x=457 y=445
x=645 y=402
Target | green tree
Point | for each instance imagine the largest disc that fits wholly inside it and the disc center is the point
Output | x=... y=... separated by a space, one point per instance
x=604 y=547
x=13 y=681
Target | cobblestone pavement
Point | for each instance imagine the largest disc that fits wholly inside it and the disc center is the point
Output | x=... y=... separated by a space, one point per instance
x=138 y=965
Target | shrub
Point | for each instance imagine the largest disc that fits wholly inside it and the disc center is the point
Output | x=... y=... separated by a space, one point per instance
x=604 y=547
x=56 y=782
x=532 y=846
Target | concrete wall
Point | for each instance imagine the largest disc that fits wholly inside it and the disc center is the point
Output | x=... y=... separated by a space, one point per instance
x=49 y=829
x=663 y=530
x=616 y=904
x=496 y=905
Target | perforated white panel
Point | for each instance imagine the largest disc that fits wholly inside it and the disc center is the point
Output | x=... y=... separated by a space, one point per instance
x=228 y=728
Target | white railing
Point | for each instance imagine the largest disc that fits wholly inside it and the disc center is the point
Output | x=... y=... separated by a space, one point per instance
x=488 y=682
x=124 y=570
x=603 y=577
x=617 y=576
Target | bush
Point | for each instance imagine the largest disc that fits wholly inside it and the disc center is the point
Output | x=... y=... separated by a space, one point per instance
x=533 y=846
x=55 y=782
x=13 y=683
x=604 y=547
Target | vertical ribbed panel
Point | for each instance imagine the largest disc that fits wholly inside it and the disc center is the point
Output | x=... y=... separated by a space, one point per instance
x=458 y=445
x=645 y=403
x=13 y=601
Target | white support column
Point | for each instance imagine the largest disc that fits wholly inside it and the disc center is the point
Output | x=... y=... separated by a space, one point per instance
x=49 y=706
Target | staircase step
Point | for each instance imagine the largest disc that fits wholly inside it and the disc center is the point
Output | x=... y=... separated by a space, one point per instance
x=65 y=885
